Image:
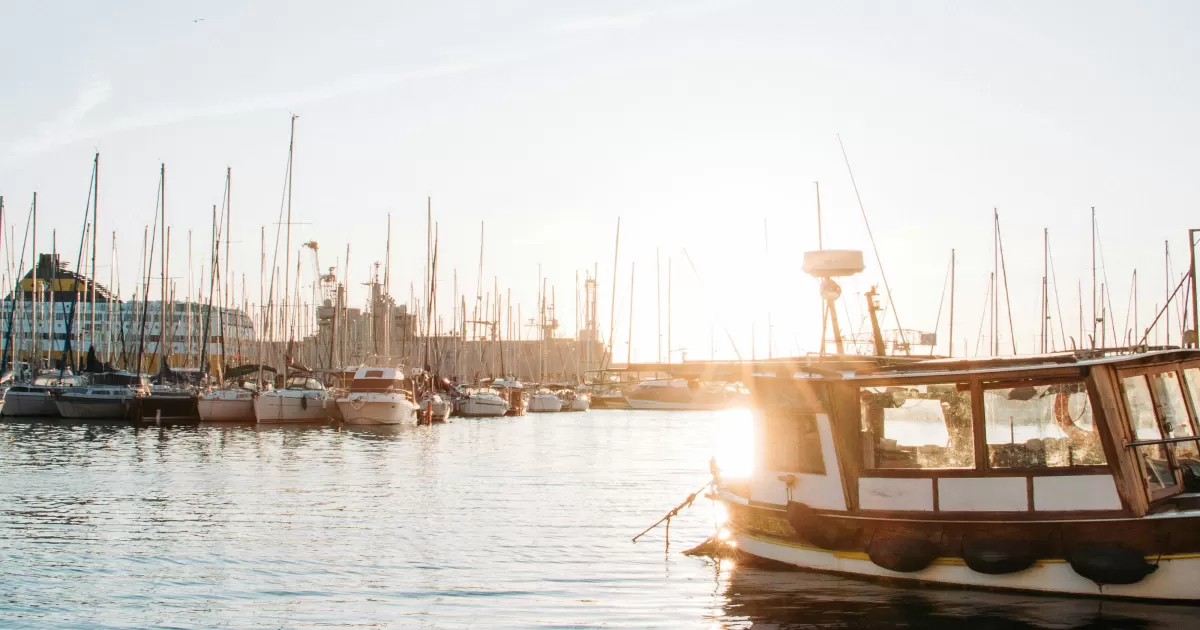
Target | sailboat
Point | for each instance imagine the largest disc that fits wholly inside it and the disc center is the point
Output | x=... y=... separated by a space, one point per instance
x=303 y=397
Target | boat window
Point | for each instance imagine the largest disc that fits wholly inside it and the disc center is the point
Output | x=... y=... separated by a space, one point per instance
x=1154 y=463
x=1041 y=426
x=793 y=445
x=374 y=374
x=1175 y=414
x=918 y=426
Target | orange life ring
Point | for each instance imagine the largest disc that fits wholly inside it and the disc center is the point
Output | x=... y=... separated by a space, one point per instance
x=1062 y=417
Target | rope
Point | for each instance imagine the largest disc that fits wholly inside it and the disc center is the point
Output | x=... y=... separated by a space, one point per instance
x=674 y=512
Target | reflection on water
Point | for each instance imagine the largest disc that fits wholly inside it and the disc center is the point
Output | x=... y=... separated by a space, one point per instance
x=510 y=522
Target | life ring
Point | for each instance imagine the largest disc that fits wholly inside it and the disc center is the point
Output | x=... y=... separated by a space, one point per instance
x=1062 y=417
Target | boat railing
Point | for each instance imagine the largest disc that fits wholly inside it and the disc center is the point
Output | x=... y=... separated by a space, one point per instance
x=1172 y=440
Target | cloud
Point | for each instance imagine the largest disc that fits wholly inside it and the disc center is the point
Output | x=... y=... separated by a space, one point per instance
x=627 y=21
x=69 y=126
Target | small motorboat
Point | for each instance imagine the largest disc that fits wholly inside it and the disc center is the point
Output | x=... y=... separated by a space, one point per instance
x=36 y=399
x=302 y=399
x=480 y=403
x=378 y=396
x=544 y=401
x=435 y=409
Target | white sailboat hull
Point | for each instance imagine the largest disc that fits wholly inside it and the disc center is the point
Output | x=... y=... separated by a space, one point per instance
x=545 y=404
x=581 y=404
x=226 y=410
x=273 y=408
x=481 y=407
x=377 y=409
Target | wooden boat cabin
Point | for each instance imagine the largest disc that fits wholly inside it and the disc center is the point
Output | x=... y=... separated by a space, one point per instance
x=1061 y=473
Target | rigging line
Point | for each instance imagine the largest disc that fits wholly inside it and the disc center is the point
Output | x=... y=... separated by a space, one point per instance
x=987 y=301
x=1062 y=334
x=8 y=338
x=941 y=303
x=146 y=286
x=1154 y=323
x=1004 y=273
x=1104 y=274
x=701 y=281
x=871 y=236
x=1128 y=308
x=87 y=211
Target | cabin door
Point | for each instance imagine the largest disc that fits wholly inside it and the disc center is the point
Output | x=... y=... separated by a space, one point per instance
x=1161 y=420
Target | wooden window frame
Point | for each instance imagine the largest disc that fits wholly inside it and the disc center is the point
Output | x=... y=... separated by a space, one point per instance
x=1145 y=372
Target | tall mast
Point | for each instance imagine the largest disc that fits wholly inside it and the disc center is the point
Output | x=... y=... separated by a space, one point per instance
x=35 y=290
x=287 y=254
x=95 y=232
x=1094 y=320
x=658 y=301
x=951 y=349
x=612 y=316
x=668 y=310
x=1045 y=287
x=1167 y=278
x=163 y=333
x=629 y=350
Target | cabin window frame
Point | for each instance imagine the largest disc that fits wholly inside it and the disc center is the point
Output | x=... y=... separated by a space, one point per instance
x=1099 y=426
x=1146 y=372
x=976 y=381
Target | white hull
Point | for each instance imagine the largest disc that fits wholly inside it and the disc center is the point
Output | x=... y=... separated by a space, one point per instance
x=219 y=410
x=545 y=404
x=477 y=407
x=438 y=411
x=580 y=404
x=1177 y=578
x=642 y=403
x=29 y=404
x=377 y=409
x=271 y=408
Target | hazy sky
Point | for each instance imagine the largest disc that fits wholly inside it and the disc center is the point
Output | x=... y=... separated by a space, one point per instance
x=703 y=125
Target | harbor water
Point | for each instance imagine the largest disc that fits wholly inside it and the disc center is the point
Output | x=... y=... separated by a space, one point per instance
x=511 y=522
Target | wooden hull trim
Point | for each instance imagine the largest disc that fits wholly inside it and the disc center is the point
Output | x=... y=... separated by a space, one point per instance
x=1177 y=578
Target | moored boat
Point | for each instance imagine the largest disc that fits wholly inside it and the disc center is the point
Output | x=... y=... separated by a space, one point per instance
x=302 y=399
x=480 y=403
x=36 y=399
x=1069 y=474
x=678 y=394
x=544 y=401
x=378 y=396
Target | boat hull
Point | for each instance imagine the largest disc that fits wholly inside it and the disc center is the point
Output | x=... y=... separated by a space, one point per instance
x=580 y=404
x=436 y=411
x=94 y=408
x=166 y=409
x=26 y=404
x=609 y=402
x=662 y=405
x=377 y=410
x=481 y=408
x=1176 y=579
x=218 y=410
x=270 y=409
x=545 y=404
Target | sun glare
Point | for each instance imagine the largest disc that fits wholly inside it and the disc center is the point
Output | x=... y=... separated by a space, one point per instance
x=735 y=442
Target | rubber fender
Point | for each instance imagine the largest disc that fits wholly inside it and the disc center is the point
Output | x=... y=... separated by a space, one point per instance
x=997 y=557
x=304 y=402
x=905 y=554
x=1109 y=564
x=819 y=530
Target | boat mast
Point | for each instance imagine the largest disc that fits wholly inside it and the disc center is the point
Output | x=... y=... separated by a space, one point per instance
x=1167 y=277
x=287 y=254
x=629 y=350
x=1045 y=328
x=952 y=263
x=1094 y=320
x=612 y=316
x=669 y=349
x=165 y=236
x=36 y=292
x=95 y=233
x=658 y=299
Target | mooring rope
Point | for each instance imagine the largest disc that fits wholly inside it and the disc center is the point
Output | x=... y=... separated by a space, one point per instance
x=674 y=512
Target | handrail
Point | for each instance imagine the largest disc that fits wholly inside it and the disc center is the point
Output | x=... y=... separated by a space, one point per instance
x=1174 y=440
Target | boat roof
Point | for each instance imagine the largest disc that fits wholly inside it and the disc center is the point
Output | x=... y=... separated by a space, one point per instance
x=1000 y=366
x=389 y=373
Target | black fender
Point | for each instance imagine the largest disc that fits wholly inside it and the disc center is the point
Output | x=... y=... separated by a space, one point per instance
x=902 y=553
x=1110 y=564
x=997 y=557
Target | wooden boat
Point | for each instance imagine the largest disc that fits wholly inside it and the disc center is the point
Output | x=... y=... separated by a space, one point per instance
x=1071 y=474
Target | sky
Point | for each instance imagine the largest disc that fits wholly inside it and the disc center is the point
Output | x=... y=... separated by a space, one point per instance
x=701 y=125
